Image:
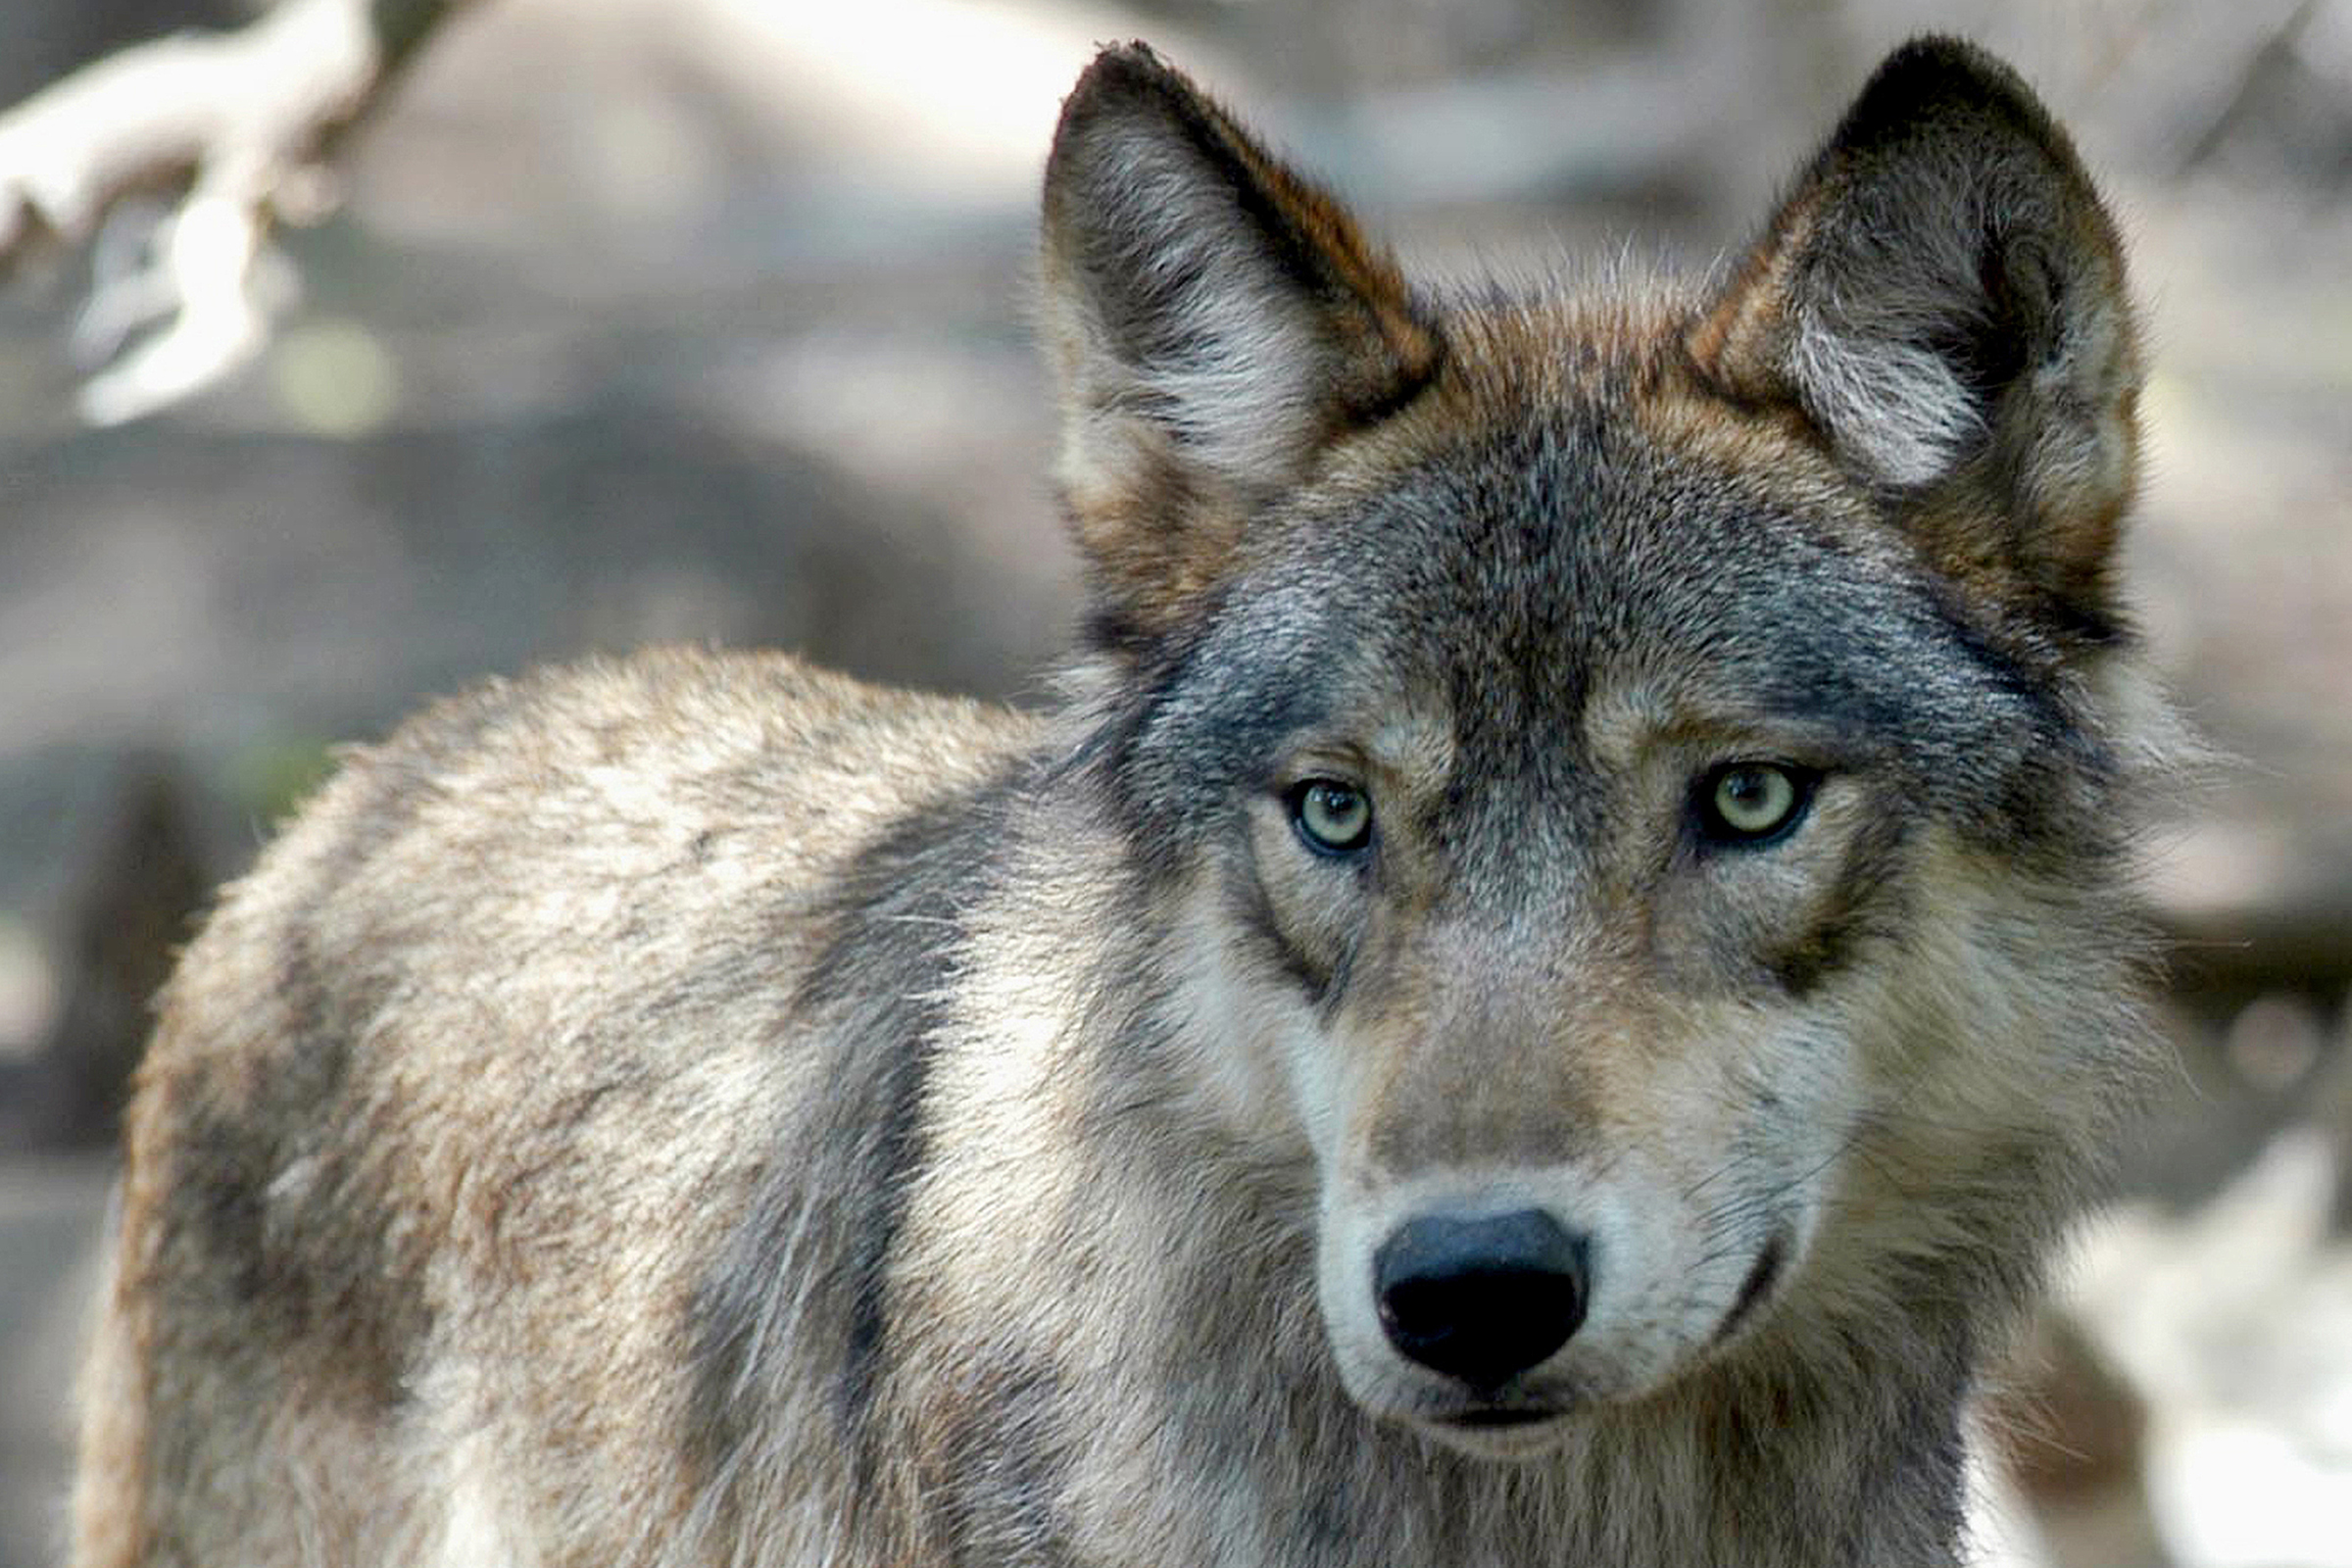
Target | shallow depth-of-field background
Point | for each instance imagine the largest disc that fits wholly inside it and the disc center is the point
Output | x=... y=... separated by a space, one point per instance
x=703 y=320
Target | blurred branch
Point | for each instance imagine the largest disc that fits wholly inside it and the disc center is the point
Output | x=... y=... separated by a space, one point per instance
x=237 y=123
x=2276 y=48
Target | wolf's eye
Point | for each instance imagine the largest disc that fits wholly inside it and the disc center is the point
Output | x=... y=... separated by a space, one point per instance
x=1333 y=818
x=1752 y=802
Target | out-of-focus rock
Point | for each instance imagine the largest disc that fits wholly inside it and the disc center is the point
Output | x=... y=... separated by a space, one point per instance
x=2232 y=1324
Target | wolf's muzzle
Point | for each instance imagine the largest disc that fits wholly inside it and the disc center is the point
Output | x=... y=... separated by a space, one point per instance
x=1484 y=1298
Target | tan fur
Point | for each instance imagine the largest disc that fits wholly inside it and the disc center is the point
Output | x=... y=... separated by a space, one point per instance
x=697 y=1111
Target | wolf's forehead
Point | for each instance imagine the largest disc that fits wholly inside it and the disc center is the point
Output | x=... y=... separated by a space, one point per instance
x=1572 y=539
x=1592 y=563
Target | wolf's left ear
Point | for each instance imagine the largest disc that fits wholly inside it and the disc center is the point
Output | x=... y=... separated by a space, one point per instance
x=1943 y=298
x=1215 y=320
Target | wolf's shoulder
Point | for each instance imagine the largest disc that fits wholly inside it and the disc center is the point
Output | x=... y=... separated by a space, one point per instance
x=691 y=711
x=689 y=805
x=675 y=744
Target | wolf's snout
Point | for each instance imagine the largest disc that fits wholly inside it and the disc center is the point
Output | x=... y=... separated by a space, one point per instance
x=1481 y=1299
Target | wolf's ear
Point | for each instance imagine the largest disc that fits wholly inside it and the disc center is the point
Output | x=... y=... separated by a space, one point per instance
x=1215 y=318
x=1942 y=296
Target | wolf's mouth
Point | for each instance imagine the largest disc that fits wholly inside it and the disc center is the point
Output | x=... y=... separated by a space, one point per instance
x=1500 y=1432
x=1489 y=1419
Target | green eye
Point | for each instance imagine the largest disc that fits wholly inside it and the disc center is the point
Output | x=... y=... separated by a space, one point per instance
x=1333 y=818
x=1752 y=802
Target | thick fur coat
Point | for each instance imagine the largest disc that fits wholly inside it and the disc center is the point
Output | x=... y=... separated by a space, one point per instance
x=1536 y=1000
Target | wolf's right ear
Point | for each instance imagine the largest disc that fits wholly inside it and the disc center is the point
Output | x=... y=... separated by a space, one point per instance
x=1215 y=318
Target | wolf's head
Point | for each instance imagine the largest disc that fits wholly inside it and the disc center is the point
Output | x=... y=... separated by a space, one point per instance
x=1637 y=778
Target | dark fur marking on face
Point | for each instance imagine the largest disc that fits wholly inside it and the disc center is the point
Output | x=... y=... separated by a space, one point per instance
x=1207 y=728
x=2007 y=673
x=1254 y=910
x=2027 y=812
x=1866 y=900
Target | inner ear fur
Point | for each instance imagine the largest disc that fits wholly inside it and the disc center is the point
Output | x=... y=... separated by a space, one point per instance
x=1215 y=320
x=1942 y=298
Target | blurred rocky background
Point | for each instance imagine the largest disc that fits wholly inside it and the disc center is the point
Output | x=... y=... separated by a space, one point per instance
x=703 y=320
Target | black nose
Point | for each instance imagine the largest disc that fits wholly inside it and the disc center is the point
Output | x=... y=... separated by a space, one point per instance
x=1481 y=1299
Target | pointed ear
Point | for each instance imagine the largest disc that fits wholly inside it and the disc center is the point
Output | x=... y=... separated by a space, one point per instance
x=1215 y=320
x=1942 y=296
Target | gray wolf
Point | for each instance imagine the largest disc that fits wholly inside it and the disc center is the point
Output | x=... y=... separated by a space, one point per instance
x=1534 y=999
